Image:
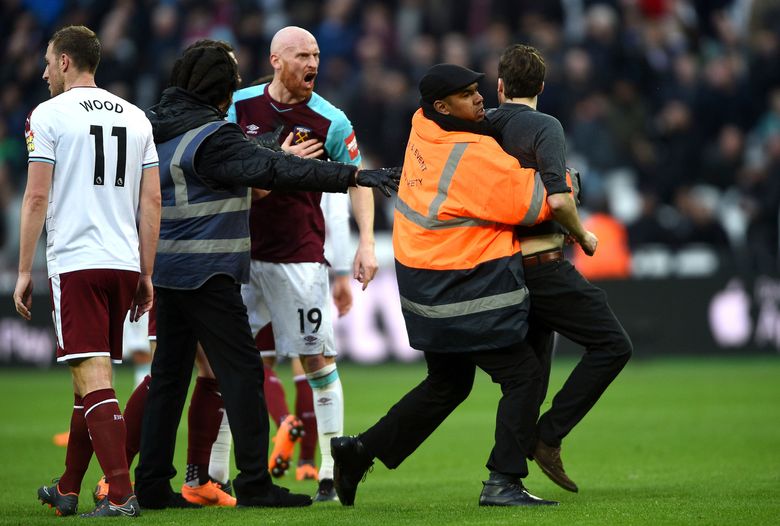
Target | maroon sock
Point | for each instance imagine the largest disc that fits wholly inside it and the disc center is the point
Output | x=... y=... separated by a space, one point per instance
x=107 y=429
x=304 y=408
x=203 y=418
x=134 y=414
x=274 y=396
x=79 y=450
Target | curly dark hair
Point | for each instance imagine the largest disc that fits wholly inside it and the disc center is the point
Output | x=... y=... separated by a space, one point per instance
x=207 y=70
x=522 y=70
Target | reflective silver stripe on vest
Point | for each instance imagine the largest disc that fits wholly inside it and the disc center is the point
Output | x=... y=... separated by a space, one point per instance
x=464 y=308
x=203 y=246
x=182 y=208
x=537 y=200
x=177 y=174
x=431 y=222
x=234 y=204
x=446 y=177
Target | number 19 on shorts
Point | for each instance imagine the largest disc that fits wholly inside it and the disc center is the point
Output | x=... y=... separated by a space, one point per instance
x=313 y=316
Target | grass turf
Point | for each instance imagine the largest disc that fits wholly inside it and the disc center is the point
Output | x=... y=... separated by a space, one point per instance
x=674 y=441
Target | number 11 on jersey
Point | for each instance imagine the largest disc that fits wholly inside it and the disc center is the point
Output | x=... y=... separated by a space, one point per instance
x=120 y=132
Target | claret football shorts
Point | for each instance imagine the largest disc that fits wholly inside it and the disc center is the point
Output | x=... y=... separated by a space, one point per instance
x=89 y=309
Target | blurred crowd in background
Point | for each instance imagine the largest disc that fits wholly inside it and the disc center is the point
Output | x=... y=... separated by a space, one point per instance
x=671 y=107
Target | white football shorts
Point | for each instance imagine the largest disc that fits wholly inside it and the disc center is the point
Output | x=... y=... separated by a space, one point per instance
x=295 y=299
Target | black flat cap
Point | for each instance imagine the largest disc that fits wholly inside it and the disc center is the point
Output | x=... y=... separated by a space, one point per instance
x=445 y=79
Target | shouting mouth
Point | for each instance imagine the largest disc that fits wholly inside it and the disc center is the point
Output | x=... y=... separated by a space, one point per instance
x=308 y=78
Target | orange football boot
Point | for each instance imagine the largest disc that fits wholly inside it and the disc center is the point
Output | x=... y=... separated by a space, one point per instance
x=306 y=472
x=290 y=431
x=208 y=494
x=101 y=490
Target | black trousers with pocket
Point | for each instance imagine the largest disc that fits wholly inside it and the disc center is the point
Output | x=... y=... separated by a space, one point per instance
x=215 y=316
x=562 y=300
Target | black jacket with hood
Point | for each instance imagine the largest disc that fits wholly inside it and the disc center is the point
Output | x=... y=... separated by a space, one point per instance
x=228 y=158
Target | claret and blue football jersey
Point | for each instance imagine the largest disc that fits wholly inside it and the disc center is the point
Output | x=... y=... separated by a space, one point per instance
x=288 y=227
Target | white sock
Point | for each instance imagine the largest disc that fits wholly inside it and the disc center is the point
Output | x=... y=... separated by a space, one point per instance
x=219 y=462
x=329 y=409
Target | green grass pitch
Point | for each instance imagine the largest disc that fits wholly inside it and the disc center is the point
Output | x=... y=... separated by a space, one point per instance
x=674 y=441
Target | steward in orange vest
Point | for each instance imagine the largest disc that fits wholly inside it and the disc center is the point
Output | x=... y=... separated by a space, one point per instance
x=458 y=261
x=460 y=274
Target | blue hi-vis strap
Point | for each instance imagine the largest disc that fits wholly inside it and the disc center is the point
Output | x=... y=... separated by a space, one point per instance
x=322 y=381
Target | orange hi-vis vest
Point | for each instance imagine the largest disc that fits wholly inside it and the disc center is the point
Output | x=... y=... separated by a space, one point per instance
x=458 y=262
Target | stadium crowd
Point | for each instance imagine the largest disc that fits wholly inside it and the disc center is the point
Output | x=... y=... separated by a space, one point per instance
x=671 y=107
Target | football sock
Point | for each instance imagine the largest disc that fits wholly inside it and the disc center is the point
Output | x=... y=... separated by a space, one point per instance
x=204 y=417
x=273 y=390
x=304 y=408
x=329 y=408
x=192 y=476
x=219 y=462
x=134 y=414
x=107 y=429
x=79 y=450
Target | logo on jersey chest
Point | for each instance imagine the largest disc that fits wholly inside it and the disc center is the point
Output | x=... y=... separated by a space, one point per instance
x=301 y=134
x=252 y=129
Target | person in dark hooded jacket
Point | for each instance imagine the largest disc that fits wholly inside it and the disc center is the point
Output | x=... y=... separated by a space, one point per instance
x=207 y=167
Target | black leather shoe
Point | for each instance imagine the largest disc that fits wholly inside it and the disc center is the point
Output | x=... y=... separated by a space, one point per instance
x=549 y=461
x=351 y=463
x=274 y=497
x=500 y=493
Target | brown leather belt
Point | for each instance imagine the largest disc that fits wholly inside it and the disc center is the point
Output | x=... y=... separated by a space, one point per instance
x=548 y=256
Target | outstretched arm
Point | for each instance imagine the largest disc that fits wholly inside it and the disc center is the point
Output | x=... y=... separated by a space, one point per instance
x=229 y=158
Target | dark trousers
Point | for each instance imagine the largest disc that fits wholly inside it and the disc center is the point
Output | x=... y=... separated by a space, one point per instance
x=450 y=378
x=215 y=316
x=564 y=301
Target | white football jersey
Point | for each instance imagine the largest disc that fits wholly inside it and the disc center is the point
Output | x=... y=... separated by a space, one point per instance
x=99 y=144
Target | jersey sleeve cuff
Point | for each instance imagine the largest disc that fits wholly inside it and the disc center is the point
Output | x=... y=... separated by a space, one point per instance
x=40 y=160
